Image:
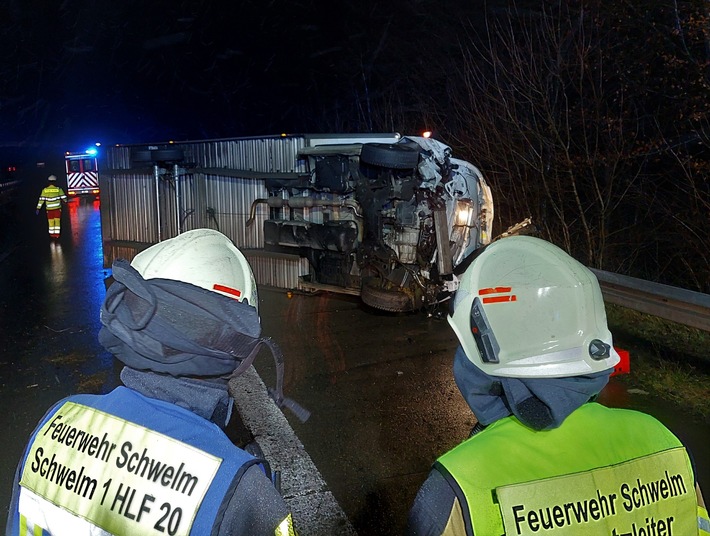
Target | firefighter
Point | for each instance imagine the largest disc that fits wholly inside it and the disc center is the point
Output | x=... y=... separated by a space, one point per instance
x=151 y=456
x=53 y=196
x=534 y=352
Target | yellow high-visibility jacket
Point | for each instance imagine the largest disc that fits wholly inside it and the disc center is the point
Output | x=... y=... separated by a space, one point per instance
x=53 y=196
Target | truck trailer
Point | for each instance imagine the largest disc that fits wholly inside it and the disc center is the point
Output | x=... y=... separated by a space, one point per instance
x=390 y=218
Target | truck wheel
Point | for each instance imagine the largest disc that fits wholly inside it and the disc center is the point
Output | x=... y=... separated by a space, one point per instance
x=394 y=301
x=390 y=155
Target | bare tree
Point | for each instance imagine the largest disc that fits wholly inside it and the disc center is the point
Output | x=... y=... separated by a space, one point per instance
x=589 y=116
x=538 y=114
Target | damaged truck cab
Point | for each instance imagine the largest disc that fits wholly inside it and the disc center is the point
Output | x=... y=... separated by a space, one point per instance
x=388 y=221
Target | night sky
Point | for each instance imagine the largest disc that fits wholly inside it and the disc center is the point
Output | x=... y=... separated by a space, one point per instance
x=118 y=71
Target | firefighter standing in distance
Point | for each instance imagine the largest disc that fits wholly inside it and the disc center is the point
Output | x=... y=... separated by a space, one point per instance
x=534 y=352
x=151 y=456
x=52 y=196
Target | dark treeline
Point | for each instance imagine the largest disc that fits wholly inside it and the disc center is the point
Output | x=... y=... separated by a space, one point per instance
x=590 y=117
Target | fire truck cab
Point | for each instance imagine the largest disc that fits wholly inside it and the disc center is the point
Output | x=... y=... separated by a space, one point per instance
x=82 y=173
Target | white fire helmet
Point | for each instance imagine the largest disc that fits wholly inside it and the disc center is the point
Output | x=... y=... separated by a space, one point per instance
x=202 y=257
x=52 y=178
x=526 y=309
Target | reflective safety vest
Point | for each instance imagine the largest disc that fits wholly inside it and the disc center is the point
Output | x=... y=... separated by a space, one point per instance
x=53 y=196
x=123 y=463
x=603 y=471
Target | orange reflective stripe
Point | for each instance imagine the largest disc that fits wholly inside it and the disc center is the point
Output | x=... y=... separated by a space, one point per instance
x=229 y=290
x=499 y=299
x=496 y=290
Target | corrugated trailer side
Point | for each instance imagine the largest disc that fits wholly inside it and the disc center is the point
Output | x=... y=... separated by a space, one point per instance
x=142 y=204
x=207 y=183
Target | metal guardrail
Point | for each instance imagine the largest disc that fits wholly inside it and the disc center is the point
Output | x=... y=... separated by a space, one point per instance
x=8 y=190
x=664 y=301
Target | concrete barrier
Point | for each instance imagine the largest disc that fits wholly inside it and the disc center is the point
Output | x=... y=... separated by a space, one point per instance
x=315 y=510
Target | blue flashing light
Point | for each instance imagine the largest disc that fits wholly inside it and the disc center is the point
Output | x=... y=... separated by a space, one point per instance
x=91 y=151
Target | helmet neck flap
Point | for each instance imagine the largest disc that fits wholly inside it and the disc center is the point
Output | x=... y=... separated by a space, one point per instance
x=176 y=328
x=539 y=403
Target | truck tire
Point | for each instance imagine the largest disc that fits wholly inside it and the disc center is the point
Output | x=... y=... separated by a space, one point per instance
x=390 y=155
x=393 y=301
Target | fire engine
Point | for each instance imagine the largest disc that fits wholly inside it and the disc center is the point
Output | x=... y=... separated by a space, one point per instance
x=82 y=172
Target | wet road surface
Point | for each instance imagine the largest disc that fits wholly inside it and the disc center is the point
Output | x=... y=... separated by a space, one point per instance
x=50 y=292
x=379 y=386
x=385 y=404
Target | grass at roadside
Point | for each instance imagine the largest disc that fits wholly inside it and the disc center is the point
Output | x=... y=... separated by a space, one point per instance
x=670 y=360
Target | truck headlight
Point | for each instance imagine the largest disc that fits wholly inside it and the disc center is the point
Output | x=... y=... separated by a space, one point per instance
x=464 y=213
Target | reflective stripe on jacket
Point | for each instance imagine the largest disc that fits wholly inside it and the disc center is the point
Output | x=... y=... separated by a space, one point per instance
x=603 y=471
x=53 y=196
x=123 y=463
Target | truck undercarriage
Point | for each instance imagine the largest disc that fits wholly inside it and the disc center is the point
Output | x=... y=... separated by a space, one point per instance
x=387 y=221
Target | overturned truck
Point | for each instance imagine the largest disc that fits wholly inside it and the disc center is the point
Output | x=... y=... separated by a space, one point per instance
x=387 y=217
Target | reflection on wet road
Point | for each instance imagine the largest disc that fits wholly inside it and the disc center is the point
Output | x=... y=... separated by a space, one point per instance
x=384 y=404
x=50 y=294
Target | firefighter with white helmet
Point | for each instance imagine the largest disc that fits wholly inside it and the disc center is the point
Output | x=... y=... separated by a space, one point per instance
x=152 y=455
x=204 y=258
x=534 y=353
x=52 y=196
x=538 y=312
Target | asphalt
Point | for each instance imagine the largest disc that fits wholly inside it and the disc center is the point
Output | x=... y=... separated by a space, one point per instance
x=383 y=401
x=315 y=510
x=384 y=405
